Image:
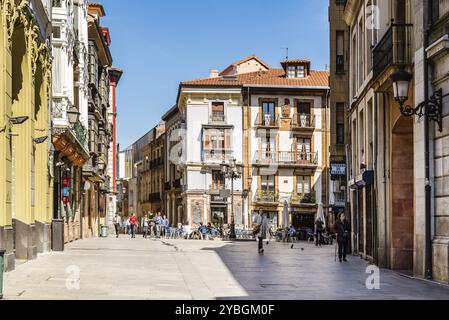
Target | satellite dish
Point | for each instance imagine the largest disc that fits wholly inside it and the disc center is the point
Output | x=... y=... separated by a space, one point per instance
x=87 y=186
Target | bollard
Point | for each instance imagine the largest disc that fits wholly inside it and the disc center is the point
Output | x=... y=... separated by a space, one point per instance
x=2 y=256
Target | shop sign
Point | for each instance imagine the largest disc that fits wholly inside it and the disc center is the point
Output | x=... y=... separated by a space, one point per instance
x=338 y=169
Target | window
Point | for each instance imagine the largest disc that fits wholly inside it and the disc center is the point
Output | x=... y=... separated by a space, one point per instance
x=296 y=71
x=218 y=181
x=340 y=115
x=268 y=146
x=56 y=32
x=340 y=58
x=218 y=113
x=304 y=149
x=268 y=183
x=217 y=143
x=269 y=108
x=304 y=184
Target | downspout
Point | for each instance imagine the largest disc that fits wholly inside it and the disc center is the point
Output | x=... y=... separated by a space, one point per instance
x=376 y=181
x=385 y=177
x=429 y=254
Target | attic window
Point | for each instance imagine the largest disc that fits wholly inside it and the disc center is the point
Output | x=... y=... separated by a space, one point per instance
x=296 y=71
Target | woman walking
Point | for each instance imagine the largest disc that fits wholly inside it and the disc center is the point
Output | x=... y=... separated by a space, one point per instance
x=260 y=229
x=343 y=231
x=133 y=223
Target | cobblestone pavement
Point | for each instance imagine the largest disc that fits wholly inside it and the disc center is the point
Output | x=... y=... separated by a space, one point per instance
x=141 y=269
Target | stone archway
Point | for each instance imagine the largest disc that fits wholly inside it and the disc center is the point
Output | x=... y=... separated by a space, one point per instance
x=402 y=197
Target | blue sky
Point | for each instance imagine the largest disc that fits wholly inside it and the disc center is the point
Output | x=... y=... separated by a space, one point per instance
x=159 y=43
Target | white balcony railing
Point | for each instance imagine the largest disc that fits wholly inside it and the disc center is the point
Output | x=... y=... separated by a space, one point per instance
x=217 y=155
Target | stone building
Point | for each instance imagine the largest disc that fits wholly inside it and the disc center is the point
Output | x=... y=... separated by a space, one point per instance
x=96 y=184
x=115 y=75
x=69 y=113
x=396 y=160
x=274 y=123
x=338 y=104
x=173 y=156
x=25 y=93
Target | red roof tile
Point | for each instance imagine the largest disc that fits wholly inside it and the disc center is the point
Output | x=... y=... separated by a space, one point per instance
x=272 y=77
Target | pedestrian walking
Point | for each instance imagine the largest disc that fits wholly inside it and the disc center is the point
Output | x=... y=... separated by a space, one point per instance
x=133 y=225
x=158 y=222
x=343 y=232
x=319 y=228
x=260 y=229
x=146 y=224
x=117 y=220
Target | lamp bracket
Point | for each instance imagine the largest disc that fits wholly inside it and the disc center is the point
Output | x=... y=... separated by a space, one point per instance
x=432 y=108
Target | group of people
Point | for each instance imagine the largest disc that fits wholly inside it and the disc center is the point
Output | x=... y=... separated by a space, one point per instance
x=341 y=229
x=154 y=225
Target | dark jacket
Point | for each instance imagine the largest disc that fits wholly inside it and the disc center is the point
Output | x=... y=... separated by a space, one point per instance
x=319 y=226
x=343 y=231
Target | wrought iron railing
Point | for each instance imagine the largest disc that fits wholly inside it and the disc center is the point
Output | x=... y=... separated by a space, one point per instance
x=303 y=121
x=285 y=158
x=304 y=198
x=80 y=133
x=217 y=155
x=394 y=49
x=267 y=196
x=267 y=120
x=217 y=117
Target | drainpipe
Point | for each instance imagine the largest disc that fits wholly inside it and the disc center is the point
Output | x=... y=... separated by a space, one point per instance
x=385 y=178
x=376 y=182
x=429 y=254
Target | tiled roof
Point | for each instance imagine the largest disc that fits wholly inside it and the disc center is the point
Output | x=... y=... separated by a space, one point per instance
x=272 y=77
x=237 y=63
x=296 y=61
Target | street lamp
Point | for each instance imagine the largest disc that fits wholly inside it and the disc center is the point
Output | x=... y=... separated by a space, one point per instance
x=231 y=171
x=431 y=108
x=73 y=115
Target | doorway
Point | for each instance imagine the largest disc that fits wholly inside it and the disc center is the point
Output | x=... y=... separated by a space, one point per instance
x=403 y=216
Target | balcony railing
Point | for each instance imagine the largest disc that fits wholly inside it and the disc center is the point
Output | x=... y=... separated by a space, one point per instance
x=267 y=121
x=217 y=155
x=304 y=198
x=304 y=121
x=217 y=117
x=267 y=196
x=394 y=49
x=290 y=158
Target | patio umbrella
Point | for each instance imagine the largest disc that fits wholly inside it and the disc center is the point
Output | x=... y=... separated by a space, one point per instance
x=320 y=214
x=285 y=214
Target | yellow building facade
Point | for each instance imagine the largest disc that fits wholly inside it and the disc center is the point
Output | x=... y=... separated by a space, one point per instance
x=25 y=180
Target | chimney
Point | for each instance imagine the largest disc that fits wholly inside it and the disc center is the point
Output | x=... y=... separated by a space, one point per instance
x=214 y=73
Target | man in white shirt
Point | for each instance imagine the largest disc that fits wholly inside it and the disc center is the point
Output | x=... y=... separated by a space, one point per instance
x=117 y=223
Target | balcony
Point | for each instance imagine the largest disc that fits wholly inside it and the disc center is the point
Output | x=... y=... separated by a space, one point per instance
x=267 y=197
x=217 y=117
x=286 y=159
x=267 y=121
x=304 y=199
x=217 y=155
x=304 y=123
x=339 y=199
x=394 y=49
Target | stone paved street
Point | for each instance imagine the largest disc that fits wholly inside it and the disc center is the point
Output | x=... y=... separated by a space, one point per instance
x=175 y=269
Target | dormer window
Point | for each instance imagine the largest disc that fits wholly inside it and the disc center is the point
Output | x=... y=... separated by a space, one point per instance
x=296 y=72
x=296 y=68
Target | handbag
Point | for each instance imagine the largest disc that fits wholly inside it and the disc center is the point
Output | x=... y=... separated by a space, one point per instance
x=256 y=229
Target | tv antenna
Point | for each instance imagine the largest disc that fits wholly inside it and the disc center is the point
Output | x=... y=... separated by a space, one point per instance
x=286 y=53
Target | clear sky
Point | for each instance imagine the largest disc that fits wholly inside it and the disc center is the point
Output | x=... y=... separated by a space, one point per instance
x=159 y=43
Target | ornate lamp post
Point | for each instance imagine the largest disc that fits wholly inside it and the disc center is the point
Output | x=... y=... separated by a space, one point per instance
x=431 y=108
x=231 y=171
x=73 y=115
